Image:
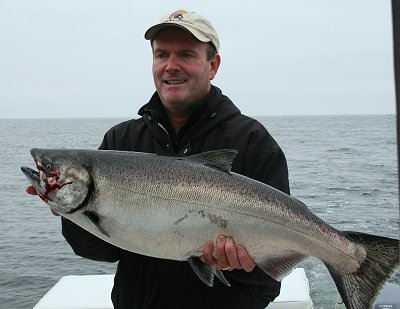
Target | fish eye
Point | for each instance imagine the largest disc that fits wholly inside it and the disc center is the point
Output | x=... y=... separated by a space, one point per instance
x=48 y=166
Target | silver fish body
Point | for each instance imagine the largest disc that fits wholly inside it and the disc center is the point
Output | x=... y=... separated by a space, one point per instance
x=168 y=207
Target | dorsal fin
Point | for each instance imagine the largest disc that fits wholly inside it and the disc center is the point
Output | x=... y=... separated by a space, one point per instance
x=220 y=159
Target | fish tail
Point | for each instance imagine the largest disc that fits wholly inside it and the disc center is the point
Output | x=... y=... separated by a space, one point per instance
x=359 y=289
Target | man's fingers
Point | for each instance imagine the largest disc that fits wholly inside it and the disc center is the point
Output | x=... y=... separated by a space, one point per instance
x=245 y=260
x=208 y=253
x=31 y=190
x=231 y=253
x=220 y=253
x=228 y=255
x=55 y=213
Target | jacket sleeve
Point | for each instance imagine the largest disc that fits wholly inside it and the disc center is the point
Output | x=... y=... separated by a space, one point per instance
x=262 y=160
x=86 y=244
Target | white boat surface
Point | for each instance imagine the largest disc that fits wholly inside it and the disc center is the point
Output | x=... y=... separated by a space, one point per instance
x=94 y=292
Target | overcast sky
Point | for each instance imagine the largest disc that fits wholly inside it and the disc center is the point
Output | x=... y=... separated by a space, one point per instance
x=88 y=58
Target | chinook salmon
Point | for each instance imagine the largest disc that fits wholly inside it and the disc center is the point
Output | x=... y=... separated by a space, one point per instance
x=168 y=207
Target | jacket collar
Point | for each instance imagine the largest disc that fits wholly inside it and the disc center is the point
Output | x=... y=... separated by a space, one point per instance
x=215 y=104
x=207 y=114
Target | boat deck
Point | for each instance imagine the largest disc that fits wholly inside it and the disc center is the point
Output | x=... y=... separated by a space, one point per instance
x=94 y=292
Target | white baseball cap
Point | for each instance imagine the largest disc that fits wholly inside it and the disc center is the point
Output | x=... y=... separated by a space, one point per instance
x=196 y=24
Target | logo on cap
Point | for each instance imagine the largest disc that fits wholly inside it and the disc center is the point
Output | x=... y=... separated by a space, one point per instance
x=177 y=15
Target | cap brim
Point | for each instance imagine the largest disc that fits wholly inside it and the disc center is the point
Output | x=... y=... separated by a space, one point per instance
x=152 y=31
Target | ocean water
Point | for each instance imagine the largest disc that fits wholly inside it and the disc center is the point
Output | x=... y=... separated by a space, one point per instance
x=343 y=167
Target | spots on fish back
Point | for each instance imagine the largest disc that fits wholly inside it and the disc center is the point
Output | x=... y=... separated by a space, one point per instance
x=214 y=219
x=180 y=219
x=182 y=224
x=176 y=224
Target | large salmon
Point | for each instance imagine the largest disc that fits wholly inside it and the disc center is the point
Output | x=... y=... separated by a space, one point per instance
x=168 y=207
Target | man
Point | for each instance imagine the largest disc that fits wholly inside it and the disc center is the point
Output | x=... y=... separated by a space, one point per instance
x=187 y=115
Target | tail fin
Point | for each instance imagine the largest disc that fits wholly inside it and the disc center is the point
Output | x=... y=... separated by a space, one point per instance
x=359 y=290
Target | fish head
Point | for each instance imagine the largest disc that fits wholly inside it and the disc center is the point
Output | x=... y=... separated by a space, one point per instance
x=62 y=180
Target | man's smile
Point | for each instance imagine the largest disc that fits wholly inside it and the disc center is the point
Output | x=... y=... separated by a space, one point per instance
x=175 y=81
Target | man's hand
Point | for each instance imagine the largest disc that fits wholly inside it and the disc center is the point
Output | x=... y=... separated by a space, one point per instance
x=228 y=255
x=31 y=190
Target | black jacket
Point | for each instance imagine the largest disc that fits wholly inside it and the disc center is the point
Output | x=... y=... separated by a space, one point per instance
x=145 y=282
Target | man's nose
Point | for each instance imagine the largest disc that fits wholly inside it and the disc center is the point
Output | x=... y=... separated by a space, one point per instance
x=172 y=64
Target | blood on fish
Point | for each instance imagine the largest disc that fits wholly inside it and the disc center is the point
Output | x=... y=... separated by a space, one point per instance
x=52 y=187
x=50 y=178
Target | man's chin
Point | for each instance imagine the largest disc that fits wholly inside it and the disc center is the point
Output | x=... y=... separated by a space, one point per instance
x=175 y=97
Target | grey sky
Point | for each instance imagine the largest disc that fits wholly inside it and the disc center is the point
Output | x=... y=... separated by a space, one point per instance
x=88 y=58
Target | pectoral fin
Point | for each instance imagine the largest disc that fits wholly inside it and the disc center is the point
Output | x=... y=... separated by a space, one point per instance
x=95 y=219
x=206 y=273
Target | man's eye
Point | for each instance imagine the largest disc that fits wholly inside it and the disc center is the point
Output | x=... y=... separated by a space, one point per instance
x=187 y=55
x=161 y=56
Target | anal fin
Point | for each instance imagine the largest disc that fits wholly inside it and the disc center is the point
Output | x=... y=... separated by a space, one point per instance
x=280 y=266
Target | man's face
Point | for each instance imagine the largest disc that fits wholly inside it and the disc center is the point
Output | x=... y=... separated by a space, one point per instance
x=181 y=70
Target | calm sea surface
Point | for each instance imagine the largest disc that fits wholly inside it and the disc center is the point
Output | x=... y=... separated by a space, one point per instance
x=343 y=167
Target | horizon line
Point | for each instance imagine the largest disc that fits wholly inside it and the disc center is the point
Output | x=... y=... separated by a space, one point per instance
x=254 y=116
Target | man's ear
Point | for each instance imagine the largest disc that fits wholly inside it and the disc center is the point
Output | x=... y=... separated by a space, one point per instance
x=214 y=62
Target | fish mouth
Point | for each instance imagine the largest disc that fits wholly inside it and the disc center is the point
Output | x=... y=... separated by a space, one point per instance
x=44 y=182
x=34 y=178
